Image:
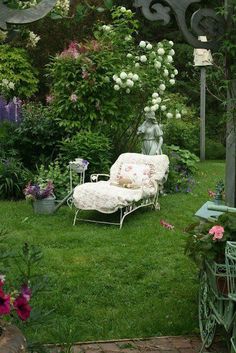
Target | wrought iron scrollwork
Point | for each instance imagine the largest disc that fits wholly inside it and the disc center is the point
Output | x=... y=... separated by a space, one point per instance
x=203 y=22
x=15 y=16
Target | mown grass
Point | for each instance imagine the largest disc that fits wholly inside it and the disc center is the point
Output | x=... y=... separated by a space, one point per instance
x=108 y=283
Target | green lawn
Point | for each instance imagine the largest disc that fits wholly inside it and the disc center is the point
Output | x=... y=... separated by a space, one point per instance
x=107 y=283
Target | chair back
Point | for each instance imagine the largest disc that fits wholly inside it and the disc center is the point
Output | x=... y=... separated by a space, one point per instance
x=159 y=165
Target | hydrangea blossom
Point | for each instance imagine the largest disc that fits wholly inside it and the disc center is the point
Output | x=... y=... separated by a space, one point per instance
x=142 y=44
x=149 y=46
x=123 y=75
x=143 y=58
x=161 y=51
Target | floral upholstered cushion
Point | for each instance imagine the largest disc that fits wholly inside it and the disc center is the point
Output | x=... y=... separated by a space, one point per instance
x=138 y=174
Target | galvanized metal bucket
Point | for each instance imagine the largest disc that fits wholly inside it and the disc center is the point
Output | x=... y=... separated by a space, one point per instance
x=44 y=206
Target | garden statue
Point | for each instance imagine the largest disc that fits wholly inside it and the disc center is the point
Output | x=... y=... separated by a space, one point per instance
x=151 y=135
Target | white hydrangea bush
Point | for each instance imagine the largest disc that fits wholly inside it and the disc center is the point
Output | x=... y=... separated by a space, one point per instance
x=149 y=68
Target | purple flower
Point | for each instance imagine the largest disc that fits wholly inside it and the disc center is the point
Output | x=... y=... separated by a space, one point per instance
x=35 y=192
x=85 y=162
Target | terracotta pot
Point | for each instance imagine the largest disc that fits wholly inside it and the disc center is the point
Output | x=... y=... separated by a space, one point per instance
x=12 y=340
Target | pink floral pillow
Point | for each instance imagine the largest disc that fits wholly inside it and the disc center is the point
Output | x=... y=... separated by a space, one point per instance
x=138 y=174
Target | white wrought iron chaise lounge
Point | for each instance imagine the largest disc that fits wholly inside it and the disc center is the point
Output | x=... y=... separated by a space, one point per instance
x=135 y=181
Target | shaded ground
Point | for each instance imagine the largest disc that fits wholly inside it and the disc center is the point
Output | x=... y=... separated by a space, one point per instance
x=176 y=344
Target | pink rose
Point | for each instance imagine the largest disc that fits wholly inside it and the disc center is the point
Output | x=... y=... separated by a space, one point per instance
x=217 y=231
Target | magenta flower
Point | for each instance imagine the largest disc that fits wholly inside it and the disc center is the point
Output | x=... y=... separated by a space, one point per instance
x=22 y=307
x=73 y=97
x=217 y=231
x=166 y=225
x=5 y=307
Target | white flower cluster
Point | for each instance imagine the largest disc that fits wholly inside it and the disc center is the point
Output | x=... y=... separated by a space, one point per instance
x=7 y=85
x=32 y=39
x=62 y=7
x=155 y=104
x=106 y=28
x=145 y=45
x=125 y=80
x=176 y=115
x=27 y=4
x=124 y=10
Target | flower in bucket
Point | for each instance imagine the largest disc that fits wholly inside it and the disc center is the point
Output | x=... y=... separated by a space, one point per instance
x=34 y=192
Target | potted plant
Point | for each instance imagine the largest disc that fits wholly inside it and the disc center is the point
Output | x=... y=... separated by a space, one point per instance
x=41 y=196
x=206 y=247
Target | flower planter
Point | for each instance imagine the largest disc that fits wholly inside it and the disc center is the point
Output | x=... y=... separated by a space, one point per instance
x=44 y=206
x=12 y=340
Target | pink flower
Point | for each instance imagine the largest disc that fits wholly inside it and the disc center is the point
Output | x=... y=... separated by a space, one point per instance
x=72 y=51
x=166 y=225
x=5 y=307
x=211 y=193
x=217 y=231
x=73 y=97
x=49 y=98
x=22 y=307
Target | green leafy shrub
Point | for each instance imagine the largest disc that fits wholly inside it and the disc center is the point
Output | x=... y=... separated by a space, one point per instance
x=7 y=145
x=215 y=149
x=110 y=81
x=183 y=134
x=183 y=165
x=13 y=178
x=59 y=176
x=37 y=135
x=93 y=146
x=15 y=67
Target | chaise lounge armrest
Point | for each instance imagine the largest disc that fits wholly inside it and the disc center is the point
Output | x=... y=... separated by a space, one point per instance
x=94 y=178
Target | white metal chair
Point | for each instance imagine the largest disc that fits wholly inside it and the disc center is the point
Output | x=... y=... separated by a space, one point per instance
x=135 y=181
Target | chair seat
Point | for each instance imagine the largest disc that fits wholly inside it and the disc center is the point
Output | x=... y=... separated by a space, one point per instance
x=107 y=198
